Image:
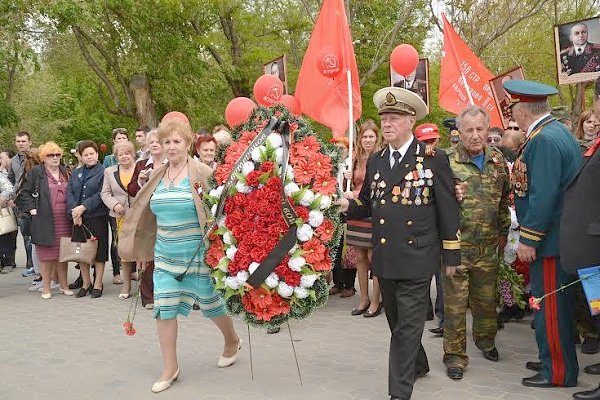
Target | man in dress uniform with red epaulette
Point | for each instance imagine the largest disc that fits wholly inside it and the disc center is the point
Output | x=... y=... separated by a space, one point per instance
x=546 y=164
x=409 y=196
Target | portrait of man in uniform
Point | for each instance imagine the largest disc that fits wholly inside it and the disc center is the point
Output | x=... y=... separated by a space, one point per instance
x=578 y=50
x=417 y=82
x=278 y=67
x=501 y=97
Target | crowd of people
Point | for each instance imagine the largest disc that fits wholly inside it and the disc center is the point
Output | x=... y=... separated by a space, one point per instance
x=412 y=211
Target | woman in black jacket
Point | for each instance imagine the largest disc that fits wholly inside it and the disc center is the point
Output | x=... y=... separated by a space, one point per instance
x=87 y=210
x=44 y=197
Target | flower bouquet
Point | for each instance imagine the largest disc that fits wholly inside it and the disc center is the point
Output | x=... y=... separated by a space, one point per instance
x=272 y=205
x=510 y=286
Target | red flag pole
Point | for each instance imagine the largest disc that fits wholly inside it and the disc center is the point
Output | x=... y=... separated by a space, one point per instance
x=464 y=79
x=350 y=123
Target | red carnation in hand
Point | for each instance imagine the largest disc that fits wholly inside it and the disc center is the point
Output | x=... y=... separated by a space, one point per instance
x=534 y=303
x=129 y=329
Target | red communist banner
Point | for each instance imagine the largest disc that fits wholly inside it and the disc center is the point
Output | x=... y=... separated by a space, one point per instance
x=461 y=69
x=322 y=87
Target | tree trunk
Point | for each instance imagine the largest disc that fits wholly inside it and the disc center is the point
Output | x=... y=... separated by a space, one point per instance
x=144 y=105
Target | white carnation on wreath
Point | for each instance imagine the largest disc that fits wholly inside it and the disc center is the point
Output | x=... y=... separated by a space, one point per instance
x=227 y=238
x=304 y=232
x=300 y=292
x=279 y=155
x=315 y=218
x=230 y=252
x=257 y=154
x=241 y=187
x=247 y=167
x=213 y=210
x=232 y=282
x=221 y=222
x=242 y=277
x=306 y=281
x=296 y=263
x=325 y=202
x=291 y=188
x=285 y=290
x=307 y=197
x=252 y=267
x=289 y=172
x=272 y=280
x=274 y=139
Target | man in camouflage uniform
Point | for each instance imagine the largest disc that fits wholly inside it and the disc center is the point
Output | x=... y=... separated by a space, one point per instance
x=485 y=220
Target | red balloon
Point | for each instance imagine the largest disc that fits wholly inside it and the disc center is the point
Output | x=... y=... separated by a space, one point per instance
x=103 y=147
x=268 y=89
x=175 y=115
x=404 y=59
x=291 y=103
x=238 y=111
x=329 y=62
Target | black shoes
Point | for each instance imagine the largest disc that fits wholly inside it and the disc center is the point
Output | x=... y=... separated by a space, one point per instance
x=96 y=293
x=534 y=365
x=437 y=331
x=590 y=345
x=272 y=331
x=491 y=355
x=593 y=369
x=421 y=372
x=588 y=395
x=539 y=381
x=369 y=314
x=360 y=311
x=77 y=284
x=455 y=373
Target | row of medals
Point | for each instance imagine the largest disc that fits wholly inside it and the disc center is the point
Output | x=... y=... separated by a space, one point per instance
x=420 y=179
x=519 y=178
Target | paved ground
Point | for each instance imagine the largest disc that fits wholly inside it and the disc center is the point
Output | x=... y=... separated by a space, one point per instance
x=67 y=348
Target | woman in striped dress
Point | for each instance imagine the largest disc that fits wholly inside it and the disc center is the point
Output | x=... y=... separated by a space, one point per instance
x=166 y=224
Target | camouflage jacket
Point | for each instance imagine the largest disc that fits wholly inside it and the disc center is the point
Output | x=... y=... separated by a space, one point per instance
x=484 y=210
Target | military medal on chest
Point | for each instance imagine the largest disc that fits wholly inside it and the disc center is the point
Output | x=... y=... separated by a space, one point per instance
x=518 y=179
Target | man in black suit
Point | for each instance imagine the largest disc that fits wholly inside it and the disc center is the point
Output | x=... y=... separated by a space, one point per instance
x=409 y=196
x=580 y=226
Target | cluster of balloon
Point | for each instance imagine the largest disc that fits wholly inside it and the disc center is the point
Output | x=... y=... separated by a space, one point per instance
x=404 y=59
x=268 y=91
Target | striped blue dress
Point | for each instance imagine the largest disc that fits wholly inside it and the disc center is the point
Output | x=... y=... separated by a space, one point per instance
x=177 y=239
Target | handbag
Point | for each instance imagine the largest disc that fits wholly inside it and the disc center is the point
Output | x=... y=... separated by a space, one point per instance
x=358 y=233
x=79 y=252
x=8 y=221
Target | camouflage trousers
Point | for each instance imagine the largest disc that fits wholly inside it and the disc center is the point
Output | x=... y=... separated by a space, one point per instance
x=473 y=285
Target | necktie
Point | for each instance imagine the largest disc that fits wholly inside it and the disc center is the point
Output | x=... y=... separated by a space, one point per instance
x=396 y=154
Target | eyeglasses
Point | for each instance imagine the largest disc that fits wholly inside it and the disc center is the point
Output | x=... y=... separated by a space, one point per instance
x=494 y=139
x=513 y=128
x=54 y=155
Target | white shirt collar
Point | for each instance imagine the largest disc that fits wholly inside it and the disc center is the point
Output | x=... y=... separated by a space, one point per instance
x=535 y=123
x=403 y=149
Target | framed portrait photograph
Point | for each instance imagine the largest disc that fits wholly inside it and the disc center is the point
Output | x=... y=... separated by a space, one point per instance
x=417 y=82
x=501 y=96
x=577 y=46
x=278 y=66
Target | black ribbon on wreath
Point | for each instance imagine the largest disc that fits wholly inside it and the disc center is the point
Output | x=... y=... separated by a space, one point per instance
x=288 y=240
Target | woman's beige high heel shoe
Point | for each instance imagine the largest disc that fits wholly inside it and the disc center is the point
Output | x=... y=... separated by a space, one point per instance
x=159 y=386
x=227 y=361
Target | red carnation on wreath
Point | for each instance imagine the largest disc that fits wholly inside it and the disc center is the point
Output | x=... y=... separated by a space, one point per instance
x=252 y=224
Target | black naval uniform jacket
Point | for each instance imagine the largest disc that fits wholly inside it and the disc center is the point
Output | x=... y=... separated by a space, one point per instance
x=579 y=237
x=408 y=238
